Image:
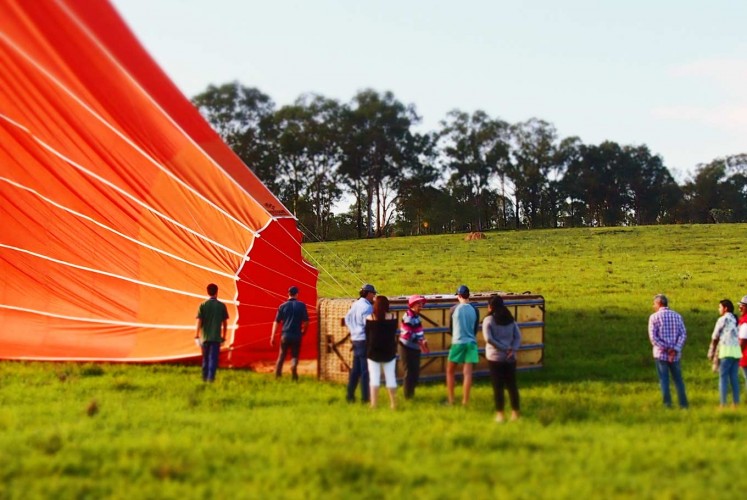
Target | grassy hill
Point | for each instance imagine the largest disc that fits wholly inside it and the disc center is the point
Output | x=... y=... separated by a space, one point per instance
x=592 y=426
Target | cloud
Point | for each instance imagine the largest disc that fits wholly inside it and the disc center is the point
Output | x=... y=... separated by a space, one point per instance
x=727 y=117
x=729 y=79
x=729 y=74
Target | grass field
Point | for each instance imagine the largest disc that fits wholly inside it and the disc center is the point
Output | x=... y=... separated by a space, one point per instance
x=592 y=427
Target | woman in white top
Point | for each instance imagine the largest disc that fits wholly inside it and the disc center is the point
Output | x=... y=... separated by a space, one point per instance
x=725 y=345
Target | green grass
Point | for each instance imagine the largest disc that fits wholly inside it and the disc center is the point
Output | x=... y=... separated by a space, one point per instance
x=593 y=425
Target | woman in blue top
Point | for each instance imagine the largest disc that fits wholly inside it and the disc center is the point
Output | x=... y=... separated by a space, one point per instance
x=725 y=345
x=502 y=341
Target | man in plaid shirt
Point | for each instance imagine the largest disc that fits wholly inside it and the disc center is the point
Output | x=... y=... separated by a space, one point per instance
x=667 y=334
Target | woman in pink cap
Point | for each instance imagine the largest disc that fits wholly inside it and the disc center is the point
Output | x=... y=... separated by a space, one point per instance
x=411 y=343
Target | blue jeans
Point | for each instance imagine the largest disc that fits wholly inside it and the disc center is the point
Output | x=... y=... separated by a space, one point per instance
x=359 y=371
x=210 y=354
x=664 y=368
x=728 y=373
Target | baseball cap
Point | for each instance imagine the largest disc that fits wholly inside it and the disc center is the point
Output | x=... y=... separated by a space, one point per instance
x=368 y=288
x=463 y=290
x=744 y=300
x=414 y=299
x=293 y=290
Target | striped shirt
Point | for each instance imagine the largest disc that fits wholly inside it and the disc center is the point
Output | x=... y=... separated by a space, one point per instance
x=666 y=331
x=412 y=330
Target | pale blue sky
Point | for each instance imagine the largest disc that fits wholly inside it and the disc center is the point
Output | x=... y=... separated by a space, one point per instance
x=666 y=73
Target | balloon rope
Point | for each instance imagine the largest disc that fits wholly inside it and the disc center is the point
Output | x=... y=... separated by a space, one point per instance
x=318 y=264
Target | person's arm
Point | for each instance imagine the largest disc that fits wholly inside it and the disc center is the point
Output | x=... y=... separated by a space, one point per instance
x=717 y=330
x=199 y=329
x=712 y=349
x=487 y=334
x=224 y=331
x=681 y=337
x=421 y=340
x=477 y=319
x=451 y=319
x=304 y=320
x=406 y=327
x=679 y=342
x=423 y=343
x=351 y=318
x=516 y=340
x=743 y=335
x=653 y=333
x=272 y=333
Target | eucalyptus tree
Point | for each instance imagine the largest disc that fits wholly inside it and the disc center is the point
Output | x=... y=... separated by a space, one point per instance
x=555 y=198
x=593 y=178
x=534 y=156
x=475 y=150
x=652 y=193
x=242 y=117
x=377 y=144
x=718 y=191
x=736 y=170
x=420 y=204
x=307 y=149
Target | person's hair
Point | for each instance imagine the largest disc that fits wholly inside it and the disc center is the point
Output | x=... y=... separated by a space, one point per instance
x=499 y=311
x=380 y=307
x=728 y=305
x=363 y=293
x=212 y=289
x=661 y=299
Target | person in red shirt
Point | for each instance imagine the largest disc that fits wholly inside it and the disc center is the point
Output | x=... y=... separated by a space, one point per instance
x=742 y=325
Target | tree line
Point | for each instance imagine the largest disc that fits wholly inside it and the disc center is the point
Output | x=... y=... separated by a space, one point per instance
x=474 y=173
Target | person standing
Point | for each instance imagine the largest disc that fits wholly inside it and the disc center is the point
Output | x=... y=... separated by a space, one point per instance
x=411 y=342
x=295 y=320
x=742 y=332
x=355 y=320
x=381 y=350
x=725 y=347
x=464 y=324
x=667 y=334
x=502 y=341
x=212 y=324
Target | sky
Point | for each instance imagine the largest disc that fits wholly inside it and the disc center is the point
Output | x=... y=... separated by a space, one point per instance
x=670 y=74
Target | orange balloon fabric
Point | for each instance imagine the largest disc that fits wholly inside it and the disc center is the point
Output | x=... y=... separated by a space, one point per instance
x=119 y=204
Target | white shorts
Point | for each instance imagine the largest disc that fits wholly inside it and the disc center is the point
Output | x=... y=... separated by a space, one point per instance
x=374 y=373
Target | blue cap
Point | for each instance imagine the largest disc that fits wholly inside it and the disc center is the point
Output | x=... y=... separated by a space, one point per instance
x=368 y=288
x=463 y=291
x=293 y=290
